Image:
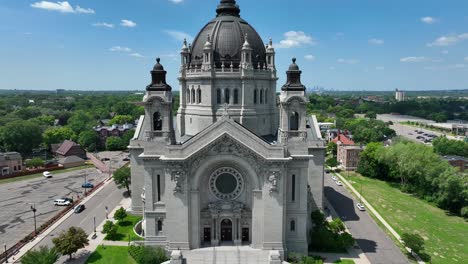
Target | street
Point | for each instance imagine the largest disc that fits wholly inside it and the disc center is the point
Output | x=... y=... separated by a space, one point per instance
x=377 y=246
x=16 y=216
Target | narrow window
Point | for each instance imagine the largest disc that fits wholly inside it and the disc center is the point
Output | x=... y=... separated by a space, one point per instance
x=199 y=96
x=157 y=122
x=193 y=96
x=266 y=96
x=255 y=96
x=261 y=96
x=158 y=183
x=218 y=96
x=188 y=96
x=294 y=122
x=236 y=96
x=227 y=96
x=293 y=226
x=14 y=168
x=293 y=188
x=159 y=225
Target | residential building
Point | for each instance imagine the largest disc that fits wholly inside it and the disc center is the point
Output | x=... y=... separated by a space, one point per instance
x=71 y=162
x=69 y=148
x=400 y=96
x=105 y=132
x=242 y=166
x=458 y=162
x=348 y=156
x=10 y=163
x=343 y=139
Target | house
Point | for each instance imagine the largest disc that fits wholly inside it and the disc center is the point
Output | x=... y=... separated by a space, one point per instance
x=348 y=156
x=10 y=162
x=69 y=148
x=72 y=161
x=344 y=139
x=104 y=132
x=457 y=161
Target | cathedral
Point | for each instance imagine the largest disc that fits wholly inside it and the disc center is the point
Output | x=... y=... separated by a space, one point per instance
x=239 y=163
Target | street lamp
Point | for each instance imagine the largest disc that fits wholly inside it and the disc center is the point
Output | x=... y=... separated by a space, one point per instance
x=84 y=184
x=107 y=212
x=6 y=253
x=33 y=209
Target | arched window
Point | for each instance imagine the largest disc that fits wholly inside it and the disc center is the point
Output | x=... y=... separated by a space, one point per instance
x=236 y=96
x=293 y=226
x=255 y=96
x=266 y=96
x=198 y=96
x=193 y=96
x=261 y=96
x=294 y=122
x=227 y=96
x=188 y=96
x=218 y=96
x=157 y=122
x=159 y=225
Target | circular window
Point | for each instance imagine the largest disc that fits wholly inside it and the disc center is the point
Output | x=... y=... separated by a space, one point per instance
x=226 y=183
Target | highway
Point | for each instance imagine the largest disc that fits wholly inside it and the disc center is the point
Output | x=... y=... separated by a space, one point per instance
x=377 y=246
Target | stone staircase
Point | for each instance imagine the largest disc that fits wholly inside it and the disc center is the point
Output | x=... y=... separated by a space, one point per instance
x=226 y=255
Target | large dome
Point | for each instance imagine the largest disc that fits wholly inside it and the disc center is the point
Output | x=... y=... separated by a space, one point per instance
x=227 y=32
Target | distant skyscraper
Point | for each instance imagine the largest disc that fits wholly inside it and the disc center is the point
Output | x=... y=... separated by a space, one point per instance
x=400 y=96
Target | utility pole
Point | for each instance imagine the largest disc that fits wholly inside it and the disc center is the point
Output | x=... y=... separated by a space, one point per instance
x=6 y=253
x=84 y=183
x=33 y=209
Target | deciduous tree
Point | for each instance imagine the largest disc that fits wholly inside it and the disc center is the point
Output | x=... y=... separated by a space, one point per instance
x=70 y=241
x=122 y=178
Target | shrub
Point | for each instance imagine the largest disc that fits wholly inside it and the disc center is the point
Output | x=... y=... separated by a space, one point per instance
x=329 y=237
x=110 y=229
x=42 y=256
x=413 y=241
x=120 y=214
x=464 y=212
x=147 y=255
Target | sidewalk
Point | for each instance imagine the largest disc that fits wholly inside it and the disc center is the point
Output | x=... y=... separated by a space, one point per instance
x=355 y=253
x=83 y=254
x=40 y=237
x=378 y=216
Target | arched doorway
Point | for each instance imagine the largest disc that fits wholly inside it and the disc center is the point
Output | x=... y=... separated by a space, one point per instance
x=226 y=230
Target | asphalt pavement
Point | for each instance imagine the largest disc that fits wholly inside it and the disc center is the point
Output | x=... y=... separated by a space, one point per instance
x=377 y=246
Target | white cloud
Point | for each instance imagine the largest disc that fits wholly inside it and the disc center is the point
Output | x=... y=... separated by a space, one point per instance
x=466 y=58
x=309 y=57
x=294 y=39
x=380 y=68
x=136 y=55
x=448 y=40
x=62 y=7
x=376 y=41
x=414 y=59
x=120 y=49
x=103 y=24
x=348 y=61
x=128 y=23
x=428 y=20
x=179 y=35
x=176 y=1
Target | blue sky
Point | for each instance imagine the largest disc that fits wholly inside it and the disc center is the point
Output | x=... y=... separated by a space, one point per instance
x=345 y=45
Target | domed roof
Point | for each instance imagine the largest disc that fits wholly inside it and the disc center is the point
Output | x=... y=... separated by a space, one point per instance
x=293 y=66
x=227 y=33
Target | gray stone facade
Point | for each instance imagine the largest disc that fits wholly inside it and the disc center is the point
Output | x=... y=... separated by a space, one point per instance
x=246 y=169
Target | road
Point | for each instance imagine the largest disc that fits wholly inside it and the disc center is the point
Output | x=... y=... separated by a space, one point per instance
x=109 y=196
x=16 y=217
x=377 y=246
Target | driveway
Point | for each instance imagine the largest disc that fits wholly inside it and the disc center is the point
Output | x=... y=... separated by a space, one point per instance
x=377 y=246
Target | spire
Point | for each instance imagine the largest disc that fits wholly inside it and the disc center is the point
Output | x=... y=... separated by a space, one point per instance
x=228 y=8
x=246 y=45
x=158 y=78
x=294 y=78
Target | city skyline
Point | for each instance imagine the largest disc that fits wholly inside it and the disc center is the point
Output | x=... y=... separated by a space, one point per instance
x=88 y=45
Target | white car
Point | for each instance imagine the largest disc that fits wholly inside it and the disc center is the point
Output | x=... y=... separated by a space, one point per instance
x=47 y=174
x=334 y=178
x=339 y=183
x=360 y=207
x=62 y=202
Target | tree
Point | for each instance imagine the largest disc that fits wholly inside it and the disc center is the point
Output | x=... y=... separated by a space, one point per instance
x=413 y=241
x=35 y=163
x=369 y=164
x=110 y=229
x=120 y=214
x=42 y=256
x=21 y=136
x=113 y=143
x=371 y=115
x=337 y=226
x=122 y=178
x=332 y=162
x=70 y=241
x=147 y=255
x=87 y=140
x=121 y=120
x=332 y=147
x=56 y=135
x=80 y=121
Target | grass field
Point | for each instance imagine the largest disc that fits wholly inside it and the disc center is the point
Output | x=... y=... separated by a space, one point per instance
x=345 y=261
x=110 y=255
x=125 y=228
x=38 y=175
x=446 y=236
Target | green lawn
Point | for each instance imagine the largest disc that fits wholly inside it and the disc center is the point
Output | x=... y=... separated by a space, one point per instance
x=125 y=228
x=345 y=261
x=445 y=236
x=38 y=175
x=110 y=255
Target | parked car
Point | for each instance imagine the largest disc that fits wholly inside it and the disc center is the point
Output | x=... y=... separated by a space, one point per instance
x=68 y=199
x=62 y=202
x=47 y=174
x=105 y=159
x=339 y=183
x=87 y=185
x=334 y=178
x=327 y=170
x=126 y=159
x=79 y=208
x=360 y=207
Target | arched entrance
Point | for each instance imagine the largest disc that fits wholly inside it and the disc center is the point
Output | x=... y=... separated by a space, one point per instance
x=226 y=230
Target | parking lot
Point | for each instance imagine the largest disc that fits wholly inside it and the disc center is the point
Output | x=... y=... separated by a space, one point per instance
x=410 y=133
x=16 y=216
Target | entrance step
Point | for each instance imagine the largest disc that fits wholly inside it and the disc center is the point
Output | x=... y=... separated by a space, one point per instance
x=226 y=255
